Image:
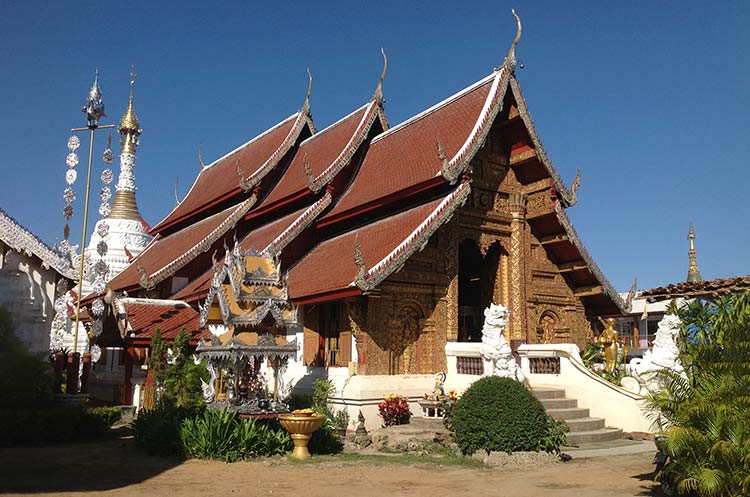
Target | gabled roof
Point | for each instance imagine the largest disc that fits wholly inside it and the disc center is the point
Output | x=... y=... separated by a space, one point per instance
x=162 y=257
x=431 y=148
x=220 y=180
x=20 y=239
x=137 y=319
x=567 y=250
x=699 y=289
x=323 y=155
x=271 y=238
x=565 y=195
x=360 y=259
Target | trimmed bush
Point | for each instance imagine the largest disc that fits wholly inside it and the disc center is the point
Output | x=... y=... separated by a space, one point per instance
x=498 y=414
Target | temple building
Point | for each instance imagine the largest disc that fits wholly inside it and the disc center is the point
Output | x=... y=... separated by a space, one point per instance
x=373 y=246
x=31 y=275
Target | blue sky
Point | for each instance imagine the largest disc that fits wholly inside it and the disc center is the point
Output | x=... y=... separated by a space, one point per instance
x=649 y=99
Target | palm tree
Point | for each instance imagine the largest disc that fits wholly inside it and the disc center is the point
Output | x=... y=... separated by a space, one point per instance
x=705 y=414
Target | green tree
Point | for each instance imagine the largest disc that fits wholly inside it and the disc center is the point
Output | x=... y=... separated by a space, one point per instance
x=26 y=379
x=176 y=376
x=704 y=413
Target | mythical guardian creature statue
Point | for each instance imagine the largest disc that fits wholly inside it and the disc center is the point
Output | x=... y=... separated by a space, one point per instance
x=663 y=355
x=496 y=353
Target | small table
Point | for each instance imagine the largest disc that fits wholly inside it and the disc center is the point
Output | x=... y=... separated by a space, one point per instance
x=432 y=408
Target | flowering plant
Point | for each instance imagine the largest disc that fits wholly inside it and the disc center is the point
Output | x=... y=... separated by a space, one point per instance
x=394 y=409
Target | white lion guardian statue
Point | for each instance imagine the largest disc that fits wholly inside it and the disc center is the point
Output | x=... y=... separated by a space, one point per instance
x=496 y=353
x=663 y=355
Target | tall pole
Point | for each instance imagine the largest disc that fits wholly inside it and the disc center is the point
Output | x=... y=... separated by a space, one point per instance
x=94 y=110
x=83 y=237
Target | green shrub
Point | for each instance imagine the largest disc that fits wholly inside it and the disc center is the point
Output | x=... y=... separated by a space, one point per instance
x=555 y=437
x=326 y=439
x=105 y=416
x=52 y=424
x=498 y=414
x=26 y=379
x=157 y=431
x=223 y=435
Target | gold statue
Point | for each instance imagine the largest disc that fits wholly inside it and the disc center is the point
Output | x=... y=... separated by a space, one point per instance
x=608 y=341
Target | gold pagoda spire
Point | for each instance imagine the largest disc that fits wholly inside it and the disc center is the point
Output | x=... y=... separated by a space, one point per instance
x=129 y=126
x=124 y=205
x=694 y=274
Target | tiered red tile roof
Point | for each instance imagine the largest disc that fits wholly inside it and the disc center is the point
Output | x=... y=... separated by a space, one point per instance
x=373 y=206
x=219 y=181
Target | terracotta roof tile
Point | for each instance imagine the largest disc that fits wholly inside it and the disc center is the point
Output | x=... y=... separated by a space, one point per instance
x=257 y=239
x=407 y=155
x=142 y=317
x=165 y=251
x=320 y=151
x=220 y=178
x=330 y=266
x=708 y=289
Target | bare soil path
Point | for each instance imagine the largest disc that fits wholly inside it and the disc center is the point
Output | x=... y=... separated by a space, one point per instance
x=116 y=468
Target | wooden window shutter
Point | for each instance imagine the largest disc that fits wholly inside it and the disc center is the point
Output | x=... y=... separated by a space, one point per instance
x=311 y=338
x=345 y=336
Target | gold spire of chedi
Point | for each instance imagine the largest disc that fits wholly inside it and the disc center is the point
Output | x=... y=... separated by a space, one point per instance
x=124 y=205
x=694 y=274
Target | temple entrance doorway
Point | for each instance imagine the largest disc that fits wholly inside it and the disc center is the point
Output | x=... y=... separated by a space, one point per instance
x=478 y=285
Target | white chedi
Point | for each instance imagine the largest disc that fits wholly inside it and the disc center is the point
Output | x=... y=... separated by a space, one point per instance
x=663 y=355
x=495 y=349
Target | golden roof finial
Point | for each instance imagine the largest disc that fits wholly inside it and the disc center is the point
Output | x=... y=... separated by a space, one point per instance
x=694 y=274
x=129 y=127
x=378 y=95
x=510 y=59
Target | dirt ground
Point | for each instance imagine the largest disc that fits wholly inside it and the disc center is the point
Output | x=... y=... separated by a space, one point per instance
x=116 y=468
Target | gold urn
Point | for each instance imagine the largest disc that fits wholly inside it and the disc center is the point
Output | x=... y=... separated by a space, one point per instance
x=301 y=425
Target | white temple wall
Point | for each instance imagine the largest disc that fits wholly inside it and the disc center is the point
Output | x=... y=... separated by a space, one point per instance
x=27 y=290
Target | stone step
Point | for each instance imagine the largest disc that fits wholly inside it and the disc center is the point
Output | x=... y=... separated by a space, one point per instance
x=419 y=422
x=600 y=435
x=548 y=393
x=569 y=413
x=585 y=424
x=558 y=403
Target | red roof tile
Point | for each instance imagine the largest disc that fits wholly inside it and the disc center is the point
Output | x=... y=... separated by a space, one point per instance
x=220 y=179
x=257 y=239
x=407 y=154
x=321 y=151
x=178 y=248
x=330 y=266
x=143 y=316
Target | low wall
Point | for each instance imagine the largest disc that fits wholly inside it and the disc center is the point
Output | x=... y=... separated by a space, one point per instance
x=560 y=365
x=464 y=365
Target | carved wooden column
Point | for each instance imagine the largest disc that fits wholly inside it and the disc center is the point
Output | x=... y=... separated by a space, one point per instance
x=518 y=243
x=451 y=269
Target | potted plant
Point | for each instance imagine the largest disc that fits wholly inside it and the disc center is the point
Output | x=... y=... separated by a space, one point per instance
x=394 y=409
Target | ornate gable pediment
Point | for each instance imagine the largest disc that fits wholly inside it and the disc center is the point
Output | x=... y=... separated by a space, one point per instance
x=247 y=288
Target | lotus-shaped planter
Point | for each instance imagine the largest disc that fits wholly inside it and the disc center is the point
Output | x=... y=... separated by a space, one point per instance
x=301 y=426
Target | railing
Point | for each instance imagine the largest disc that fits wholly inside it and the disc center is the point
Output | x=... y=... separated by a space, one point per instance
x=469 y=365
x=560 y=366
x=544 y=365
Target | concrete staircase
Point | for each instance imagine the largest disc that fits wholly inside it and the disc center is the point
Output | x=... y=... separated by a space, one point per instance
x=583 y=428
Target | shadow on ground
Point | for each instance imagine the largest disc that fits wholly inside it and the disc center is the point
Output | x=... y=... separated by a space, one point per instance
x=82 y=467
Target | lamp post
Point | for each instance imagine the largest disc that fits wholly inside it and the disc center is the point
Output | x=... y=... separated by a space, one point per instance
x=94 y=110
